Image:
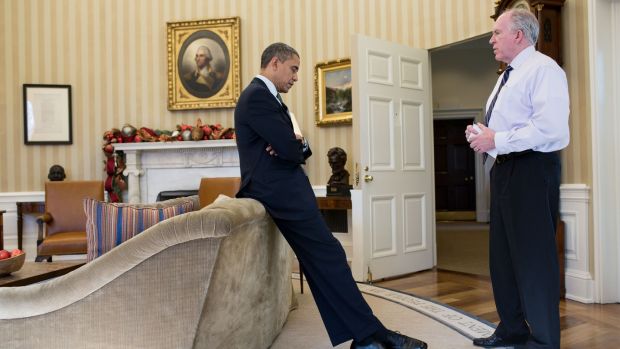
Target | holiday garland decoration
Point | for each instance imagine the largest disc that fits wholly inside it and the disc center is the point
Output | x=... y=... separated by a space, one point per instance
x=116 y=181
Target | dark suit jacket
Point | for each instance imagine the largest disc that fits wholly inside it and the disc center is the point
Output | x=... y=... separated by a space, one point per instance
x=278 y=182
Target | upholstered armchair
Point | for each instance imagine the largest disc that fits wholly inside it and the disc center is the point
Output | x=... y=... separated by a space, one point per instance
x=62 y=228
x=211 y=187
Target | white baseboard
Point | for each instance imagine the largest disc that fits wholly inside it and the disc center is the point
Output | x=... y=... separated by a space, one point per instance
x=579 y=286
x=574 y=211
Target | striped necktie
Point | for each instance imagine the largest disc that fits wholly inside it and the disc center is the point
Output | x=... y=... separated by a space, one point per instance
x=487 y=116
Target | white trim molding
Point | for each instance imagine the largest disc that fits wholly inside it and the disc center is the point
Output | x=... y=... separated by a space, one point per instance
x=574 y=211
x=604 y=52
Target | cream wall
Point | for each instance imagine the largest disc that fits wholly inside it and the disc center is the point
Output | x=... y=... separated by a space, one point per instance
x=463 y=78
x=113 y=53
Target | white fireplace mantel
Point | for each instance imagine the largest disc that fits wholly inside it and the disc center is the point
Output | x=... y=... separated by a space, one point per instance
x=155 y=167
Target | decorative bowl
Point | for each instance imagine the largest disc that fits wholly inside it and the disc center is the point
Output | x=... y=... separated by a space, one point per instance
x=9 y=265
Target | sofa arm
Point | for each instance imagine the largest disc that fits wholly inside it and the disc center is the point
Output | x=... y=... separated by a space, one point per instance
x=212 y=224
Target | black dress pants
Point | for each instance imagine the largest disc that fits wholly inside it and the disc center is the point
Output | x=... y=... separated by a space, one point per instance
x=344 y=311
x=523 y=258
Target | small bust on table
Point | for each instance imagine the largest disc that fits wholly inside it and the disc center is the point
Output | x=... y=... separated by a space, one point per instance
x=56 y=173
x=338 y=184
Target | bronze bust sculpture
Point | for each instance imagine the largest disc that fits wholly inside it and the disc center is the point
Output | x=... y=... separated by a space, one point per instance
x=338 y=184
x=56 y=173
x=337 y=158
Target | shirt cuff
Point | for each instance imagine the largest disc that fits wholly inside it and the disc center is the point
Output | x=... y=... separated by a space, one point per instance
x=501 y=141
x=305 y=145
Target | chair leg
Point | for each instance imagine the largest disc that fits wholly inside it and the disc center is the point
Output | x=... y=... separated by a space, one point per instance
x=39 y=259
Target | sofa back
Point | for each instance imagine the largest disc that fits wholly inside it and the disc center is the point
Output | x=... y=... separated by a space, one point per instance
x=179 y=284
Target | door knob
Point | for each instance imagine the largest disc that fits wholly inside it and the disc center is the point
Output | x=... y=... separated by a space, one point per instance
x=368 y=178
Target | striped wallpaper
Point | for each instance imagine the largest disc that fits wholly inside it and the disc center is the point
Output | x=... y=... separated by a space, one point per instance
x=113 y=54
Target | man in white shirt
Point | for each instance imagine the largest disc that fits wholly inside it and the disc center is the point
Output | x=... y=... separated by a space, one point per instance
x=527 y=118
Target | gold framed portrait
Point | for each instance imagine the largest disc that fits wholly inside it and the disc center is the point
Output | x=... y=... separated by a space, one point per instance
x=203 y=64
x=332 y=92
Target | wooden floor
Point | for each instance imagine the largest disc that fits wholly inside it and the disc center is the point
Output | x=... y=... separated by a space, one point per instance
x=591 y=326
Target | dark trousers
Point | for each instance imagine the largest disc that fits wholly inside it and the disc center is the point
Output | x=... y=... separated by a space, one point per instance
x=344 y=311
x=523 y=258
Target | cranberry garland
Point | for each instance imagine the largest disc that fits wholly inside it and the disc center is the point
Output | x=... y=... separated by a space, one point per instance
x=116 y=181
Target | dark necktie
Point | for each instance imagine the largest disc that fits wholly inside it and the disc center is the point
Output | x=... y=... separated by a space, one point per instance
x=284 y=107
x=281 y=102
x=487 y=116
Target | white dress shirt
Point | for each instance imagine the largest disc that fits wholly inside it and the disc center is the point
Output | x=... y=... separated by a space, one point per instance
x=274 y=92
x=531 y=111
x=272 y=88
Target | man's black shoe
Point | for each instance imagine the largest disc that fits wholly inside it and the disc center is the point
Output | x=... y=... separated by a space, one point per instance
x=393 y=340
x=396 y=340
x=496 y=341
x=373 y=345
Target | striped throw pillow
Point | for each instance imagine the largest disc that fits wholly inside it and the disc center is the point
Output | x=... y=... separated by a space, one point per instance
x=110 y=224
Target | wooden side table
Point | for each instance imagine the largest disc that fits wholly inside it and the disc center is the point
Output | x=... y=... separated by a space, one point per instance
x=22 y=208
x=1 y=230
x=33 y=272
x=334 y=202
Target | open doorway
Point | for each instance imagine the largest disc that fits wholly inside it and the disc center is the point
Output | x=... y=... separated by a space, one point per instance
x=455 y=186
x=463 y=75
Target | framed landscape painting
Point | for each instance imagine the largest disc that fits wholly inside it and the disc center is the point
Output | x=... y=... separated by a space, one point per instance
x=332 y=94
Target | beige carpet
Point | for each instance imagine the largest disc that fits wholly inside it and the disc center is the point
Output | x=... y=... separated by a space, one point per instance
x=304 y=328
x=463 y=247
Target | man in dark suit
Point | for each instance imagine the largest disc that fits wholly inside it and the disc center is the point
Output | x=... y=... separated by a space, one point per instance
x=271 y=155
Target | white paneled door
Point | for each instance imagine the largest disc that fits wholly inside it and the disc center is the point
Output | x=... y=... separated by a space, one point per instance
x=392 y=128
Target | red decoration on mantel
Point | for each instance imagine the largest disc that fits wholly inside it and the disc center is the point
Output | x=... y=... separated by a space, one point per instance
x=116 y=182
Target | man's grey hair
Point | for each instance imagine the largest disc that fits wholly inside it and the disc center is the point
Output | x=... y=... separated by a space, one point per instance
x=278 y=49
x=525 y=21
x=206 y=50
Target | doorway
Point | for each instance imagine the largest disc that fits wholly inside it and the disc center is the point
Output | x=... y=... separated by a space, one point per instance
x=463 y=74
x=455 y=186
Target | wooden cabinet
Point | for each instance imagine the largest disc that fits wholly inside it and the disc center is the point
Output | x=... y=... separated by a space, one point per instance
x=548 y=13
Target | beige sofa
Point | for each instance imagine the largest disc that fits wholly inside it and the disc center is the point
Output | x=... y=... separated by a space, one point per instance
x=214 y=278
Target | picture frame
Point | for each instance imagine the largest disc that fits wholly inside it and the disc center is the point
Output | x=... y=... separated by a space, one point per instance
x=204 y=69
x=332 y=92
x=47 y=114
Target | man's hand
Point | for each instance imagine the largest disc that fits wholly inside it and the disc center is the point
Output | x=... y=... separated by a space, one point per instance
x=270 y=150
x=480 y=142
x=471 y=130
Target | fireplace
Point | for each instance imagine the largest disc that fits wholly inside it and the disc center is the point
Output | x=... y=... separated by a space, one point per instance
x=174 y=194
x=158 y=167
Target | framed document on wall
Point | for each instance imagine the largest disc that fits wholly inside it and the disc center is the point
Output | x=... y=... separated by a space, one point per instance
x=47 y=114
